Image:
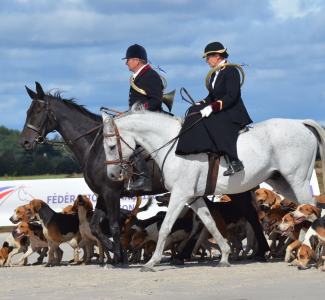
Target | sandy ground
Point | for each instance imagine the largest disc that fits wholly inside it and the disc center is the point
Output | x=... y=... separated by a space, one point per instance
x=192 y=281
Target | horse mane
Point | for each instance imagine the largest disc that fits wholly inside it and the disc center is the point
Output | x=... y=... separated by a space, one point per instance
x=73 y=104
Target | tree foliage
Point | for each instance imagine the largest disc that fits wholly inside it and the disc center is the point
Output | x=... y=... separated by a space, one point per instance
x=47 y=159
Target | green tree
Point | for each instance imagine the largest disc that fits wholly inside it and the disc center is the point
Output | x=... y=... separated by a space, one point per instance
x=47 y=159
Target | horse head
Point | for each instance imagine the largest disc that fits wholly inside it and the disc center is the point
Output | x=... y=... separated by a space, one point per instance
x=38 y=121
x=118 y=148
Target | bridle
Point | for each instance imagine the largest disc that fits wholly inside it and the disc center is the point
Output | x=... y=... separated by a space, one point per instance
x=125 y=164
x=41 y=128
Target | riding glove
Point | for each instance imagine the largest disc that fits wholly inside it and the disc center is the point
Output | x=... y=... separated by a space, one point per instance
x=205 y=112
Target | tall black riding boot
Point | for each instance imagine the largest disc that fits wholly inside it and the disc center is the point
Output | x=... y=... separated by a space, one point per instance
x=144 y=181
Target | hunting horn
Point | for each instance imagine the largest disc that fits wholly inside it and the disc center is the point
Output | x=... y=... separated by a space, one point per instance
x=167 y=98
x=220 y=67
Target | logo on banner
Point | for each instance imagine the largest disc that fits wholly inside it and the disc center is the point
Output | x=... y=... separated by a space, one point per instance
x=5 y=191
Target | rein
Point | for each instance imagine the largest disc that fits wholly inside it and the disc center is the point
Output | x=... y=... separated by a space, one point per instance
x=177 y=136
x=127 y=163
x=43 y=140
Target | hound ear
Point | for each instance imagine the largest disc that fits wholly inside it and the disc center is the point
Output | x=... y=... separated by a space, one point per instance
x=268 y=194
x=89 y=204
x=272 y=196
x=317 y=211
x=29 y=212
x=39 y=90
x=31 y=94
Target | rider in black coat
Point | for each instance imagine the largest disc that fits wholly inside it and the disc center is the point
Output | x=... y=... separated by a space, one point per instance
x=146 y=87
x=150 y=81
x=223 y=111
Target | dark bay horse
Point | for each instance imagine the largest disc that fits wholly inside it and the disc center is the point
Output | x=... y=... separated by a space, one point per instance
x=82 y=132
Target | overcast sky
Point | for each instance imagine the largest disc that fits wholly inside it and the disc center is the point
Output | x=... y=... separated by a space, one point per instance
x=77 y=46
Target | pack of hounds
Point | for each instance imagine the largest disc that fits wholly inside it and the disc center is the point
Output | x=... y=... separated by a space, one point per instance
x=294 y=233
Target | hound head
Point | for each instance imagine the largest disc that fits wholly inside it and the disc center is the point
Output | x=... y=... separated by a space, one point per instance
x=266 y=198
x=272 y=219
x=35 y=206
x=287 y=224
x=306 y=212
x=305 y=256
x=22 y=229
x=288 y=205
x=21 y=213
x=83 y=201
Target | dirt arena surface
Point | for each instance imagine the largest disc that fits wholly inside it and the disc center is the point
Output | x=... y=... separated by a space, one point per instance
x=192 y=281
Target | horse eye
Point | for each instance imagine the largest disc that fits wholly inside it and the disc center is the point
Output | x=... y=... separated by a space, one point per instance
x=112 y=148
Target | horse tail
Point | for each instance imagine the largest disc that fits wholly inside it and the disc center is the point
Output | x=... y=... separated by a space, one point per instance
x=320 y=134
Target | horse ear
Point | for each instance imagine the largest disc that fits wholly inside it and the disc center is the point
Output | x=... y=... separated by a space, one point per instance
x=107 y=119
x=31 y=94
x=137 y=106
x=39 y=90
x=105 y=115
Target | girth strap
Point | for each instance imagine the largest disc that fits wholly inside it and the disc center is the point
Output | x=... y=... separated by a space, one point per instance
x=214 y=162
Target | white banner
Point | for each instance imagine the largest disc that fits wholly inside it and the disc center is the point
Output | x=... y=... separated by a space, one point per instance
x=59 y=193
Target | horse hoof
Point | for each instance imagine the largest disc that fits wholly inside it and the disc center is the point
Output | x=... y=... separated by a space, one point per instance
x=147 y=269
x=48 y=265
x=223 y=264
x=177 y=262
x=108 y=266
x=121 y=266
x=259 y=258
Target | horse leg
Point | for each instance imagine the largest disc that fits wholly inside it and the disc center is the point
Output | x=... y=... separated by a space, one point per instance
x=98 y=216
x=281 y=186
x=200 y=208
x=292 y=188
x=250 y=213
x=112 y=205
x=302 y=192
x=175 y=207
